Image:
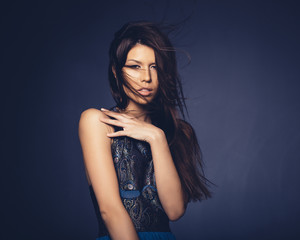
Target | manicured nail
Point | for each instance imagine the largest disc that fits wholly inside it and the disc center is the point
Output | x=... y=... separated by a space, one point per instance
x=103 y=109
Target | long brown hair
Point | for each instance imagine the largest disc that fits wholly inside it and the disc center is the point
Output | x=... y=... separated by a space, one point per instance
x=169 y=101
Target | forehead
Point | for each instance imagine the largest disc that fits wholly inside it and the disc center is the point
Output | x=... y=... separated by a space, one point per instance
x=141 y=53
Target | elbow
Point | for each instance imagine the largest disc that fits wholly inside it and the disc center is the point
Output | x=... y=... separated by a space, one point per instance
x=108 y=213
x=105 y=215
x=112 y=212
x=176 y=214
x=176 y=210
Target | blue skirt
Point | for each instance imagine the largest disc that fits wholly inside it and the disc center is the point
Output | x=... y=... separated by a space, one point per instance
x=149 y=236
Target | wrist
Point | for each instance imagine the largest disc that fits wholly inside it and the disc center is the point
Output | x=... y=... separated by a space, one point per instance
x=157 y=135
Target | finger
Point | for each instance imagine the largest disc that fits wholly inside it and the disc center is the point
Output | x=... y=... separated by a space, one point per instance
x=117 y=134
x=112 y=113
x=112 y=122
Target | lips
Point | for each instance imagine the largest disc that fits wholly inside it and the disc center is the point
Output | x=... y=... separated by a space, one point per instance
x=145 y=91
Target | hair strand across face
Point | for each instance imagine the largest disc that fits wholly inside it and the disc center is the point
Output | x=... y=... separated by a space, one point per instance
x=169 y=101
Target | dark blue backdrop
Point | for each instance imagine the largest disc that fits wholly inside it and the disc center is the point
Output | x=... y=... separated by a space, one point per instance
x=243 y=97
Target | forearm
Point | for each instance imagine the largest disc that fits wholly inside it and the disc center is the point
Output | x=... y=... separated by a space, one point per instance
x=166 y=176
x=168 y=183
x=119 y=224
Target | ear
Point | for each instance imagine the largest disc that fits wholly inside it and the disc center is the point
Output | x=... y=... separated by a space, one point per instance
x=114 y=71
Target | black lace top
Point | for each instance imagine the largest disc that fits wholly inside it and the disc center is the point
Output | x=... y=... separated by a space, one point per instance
x=134 y=167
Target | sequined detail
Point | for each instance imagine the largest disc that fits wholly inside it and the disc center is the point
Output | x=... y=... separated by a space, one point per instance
x=135 y=171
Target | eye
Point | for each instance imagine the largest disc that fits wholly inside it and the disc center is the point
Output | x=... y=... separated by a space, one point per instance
x=132 y=66
x=153 y=67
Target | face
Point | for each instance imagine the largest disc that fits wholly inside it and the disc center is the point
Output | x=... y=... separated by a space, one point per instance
x=141 y=74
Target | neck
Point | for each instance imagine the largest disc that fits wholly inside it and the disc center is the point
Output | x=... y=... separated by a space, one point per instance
x=137 y=111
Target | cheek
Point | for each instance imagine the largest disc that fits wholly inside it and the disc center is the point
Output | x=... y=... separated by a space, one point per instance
x=156 y=82
x=127 y=91
x=130 y=76
x=154 y=75
x=154 y=78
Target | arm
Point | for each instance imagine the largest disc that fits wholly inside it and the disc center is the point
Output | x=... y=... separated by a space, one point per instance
x=168 y=183
x=167 y=179
x=96 y=148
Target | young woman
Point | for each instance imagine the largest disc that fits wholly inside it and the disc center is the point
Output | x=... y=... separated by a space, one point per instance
x=143 y=162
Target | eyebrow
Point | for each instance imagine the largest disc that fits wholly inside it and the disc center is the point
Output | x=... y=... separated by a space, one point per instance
x=139 y=61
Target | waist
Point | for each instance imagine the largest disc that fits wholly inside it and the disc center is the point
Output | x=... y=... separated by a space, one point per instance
x=144 y=209
x=146 y=214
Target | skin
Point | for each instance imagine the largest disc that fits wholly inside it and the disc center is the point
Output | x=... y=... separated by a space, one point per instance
x=96 y=131
x=140 y=71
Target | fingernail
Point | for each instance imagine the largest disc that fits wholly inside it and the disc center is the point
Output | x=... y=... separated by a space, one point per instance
x=103 y=109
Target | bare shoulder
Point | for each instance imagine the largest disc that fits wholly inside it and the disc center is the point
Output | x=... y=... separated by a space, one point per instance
x=91 y=118
x=92 y=113
x=98 y=161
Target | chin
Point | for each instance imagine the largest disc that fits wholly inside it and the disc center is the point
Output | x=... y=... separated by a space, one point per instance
x=141 y=101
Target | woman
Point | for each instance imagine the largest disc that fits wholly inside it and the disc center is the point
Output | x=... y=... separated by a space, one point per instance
x=142 y=161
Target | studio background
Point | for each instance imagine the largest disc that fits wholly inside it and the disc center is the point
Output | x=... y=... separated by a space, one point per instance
x=242 y=89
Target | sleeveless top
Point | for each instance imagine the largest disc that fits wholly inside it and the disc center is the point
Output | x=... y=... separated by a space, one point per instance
x=134 y=167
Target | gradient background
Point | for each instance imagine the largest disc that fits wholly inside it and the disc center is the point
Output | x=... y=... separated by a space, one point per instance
x=243 y=98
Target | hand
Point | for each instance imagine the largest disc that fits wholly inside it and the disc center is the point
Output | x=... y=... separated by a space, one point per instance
x=132 y=127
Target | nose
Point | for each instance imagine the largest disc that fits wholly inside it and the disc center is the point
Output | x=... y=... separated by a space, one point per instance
x=146 y=77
